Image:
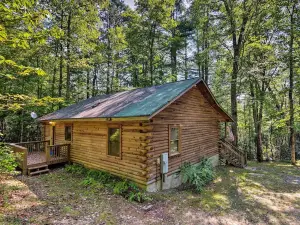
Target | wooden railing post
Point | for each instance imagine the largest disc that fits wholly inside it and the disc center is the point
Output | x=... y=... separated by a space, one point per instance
x=24 y=169
x=68 y=154
x=48 y=154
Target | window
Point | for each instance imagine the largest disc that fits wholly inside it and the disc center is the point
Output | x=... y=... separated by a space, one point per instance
x=114 y=141
x=68 y=133
x=174 y=139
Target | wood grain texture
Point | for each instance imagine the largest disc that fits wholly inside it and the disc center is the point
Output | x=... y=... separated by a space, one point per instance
x=89 y=147
x=199 y=124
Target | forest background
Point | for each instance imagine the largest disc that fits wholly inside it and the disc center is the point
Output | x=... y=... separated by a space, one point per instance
x=55 y=53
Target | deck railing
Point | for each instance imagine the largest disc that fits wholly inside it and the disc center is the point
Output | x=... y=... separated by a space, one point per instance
x=50 y=154
x=58 y=154
x=35 y=146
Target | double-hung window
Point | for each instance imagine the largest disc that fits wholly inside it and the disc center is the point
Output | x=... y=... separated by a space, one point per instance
x=68 y=132
x=174 y=139
x=114 y=141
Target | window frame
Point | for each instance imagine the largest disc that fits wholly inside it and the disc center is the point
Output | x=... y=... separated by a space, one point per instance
x=69 y=125
x=114 y=126
x=178 y=126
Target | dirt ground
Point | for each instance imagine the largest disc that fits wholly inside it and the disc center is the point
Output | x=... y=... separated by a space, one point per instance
x=266 y=193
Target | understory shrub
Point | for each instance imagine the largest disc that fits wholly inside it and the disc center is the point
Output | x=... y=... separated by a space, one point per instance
x=8 y=160
x=198 y=175
x=98 y=179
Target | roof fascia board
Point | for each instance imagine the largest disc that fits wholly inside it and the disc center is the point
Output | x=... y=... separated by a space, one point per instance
x=106 y=119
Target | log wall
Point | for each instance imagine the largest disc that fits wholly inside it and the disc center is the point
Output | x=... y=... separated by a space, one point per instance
x=199 y=132
x=89 y=147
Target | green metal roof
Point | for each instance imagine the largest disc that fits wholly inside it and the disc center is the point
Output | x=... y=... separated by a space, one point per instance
x=135 y=103
x=158 y=99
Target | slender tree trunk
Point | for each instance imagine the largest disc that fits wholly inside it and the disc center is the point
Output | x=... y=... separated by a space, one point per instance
x=88 y=84
x=22 y=115
x=291 y=88
x=54 y=74
x=151 y=53
x=206 y=55
x=233 y=92
x=198 y=54
x=94 y=82
x=108 y=56
x=185 y=59
x=61 y=61
x=39 y=81
x=68 y=57
x=173 y=52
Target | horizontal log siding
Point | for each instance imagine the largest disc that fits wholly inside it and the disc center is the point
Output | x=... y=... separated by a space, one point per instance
x=199 y=128
x=89 y=148
x=46 y=133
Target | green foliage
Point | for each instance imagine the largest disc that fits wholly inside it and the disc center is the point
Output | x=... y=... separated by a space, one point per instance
x=130 y=191
x=198 y=175
x=99 y=179
x=8 y=160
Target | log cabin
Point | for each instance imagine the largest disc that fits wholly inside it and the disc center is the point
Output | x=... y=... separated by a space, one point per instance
x=144 y=134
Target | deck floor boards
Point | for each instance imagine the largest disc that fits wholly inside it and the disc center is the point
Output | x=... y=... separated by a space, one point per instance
x=36 y=158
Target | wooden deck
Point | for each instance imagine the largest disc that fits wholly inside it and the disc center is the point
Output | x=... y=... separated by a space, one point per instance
x=40 y=153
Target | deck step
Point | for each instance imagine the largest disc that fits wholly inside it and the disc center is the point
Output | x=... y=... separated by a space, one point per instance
x=39 y=172
x=38 y=169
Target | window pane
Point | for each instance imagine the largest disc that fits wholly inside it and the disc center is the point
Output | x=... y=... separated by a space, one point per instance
x=68 y=133
x=114 y=141
x=173 y=147
x=174 y=133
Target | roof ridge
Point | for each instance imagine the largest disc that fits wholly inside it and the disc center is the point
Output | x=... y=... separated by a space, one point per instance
x=194 y=78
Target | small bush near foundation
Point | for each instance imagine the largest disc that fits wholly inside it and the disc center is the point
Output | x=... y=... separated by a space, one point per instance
x=97 y=178
x=199 y=175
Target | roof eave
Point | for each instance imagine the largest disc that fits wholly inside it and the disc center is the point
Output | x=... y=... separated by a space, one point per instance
x=100 y=119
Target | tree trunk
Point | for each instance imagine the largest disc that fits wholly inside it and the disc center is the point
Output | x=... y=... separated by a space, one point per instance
x=291 y=89
x=185 y=59
x=68 y=57
x=206 y=55
x=237 y=44
x=94 y=82
x=108 y=56
x=233 y=93
x=198 y=53
x=151 y=53
x=88 y=84
x=61 y=62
